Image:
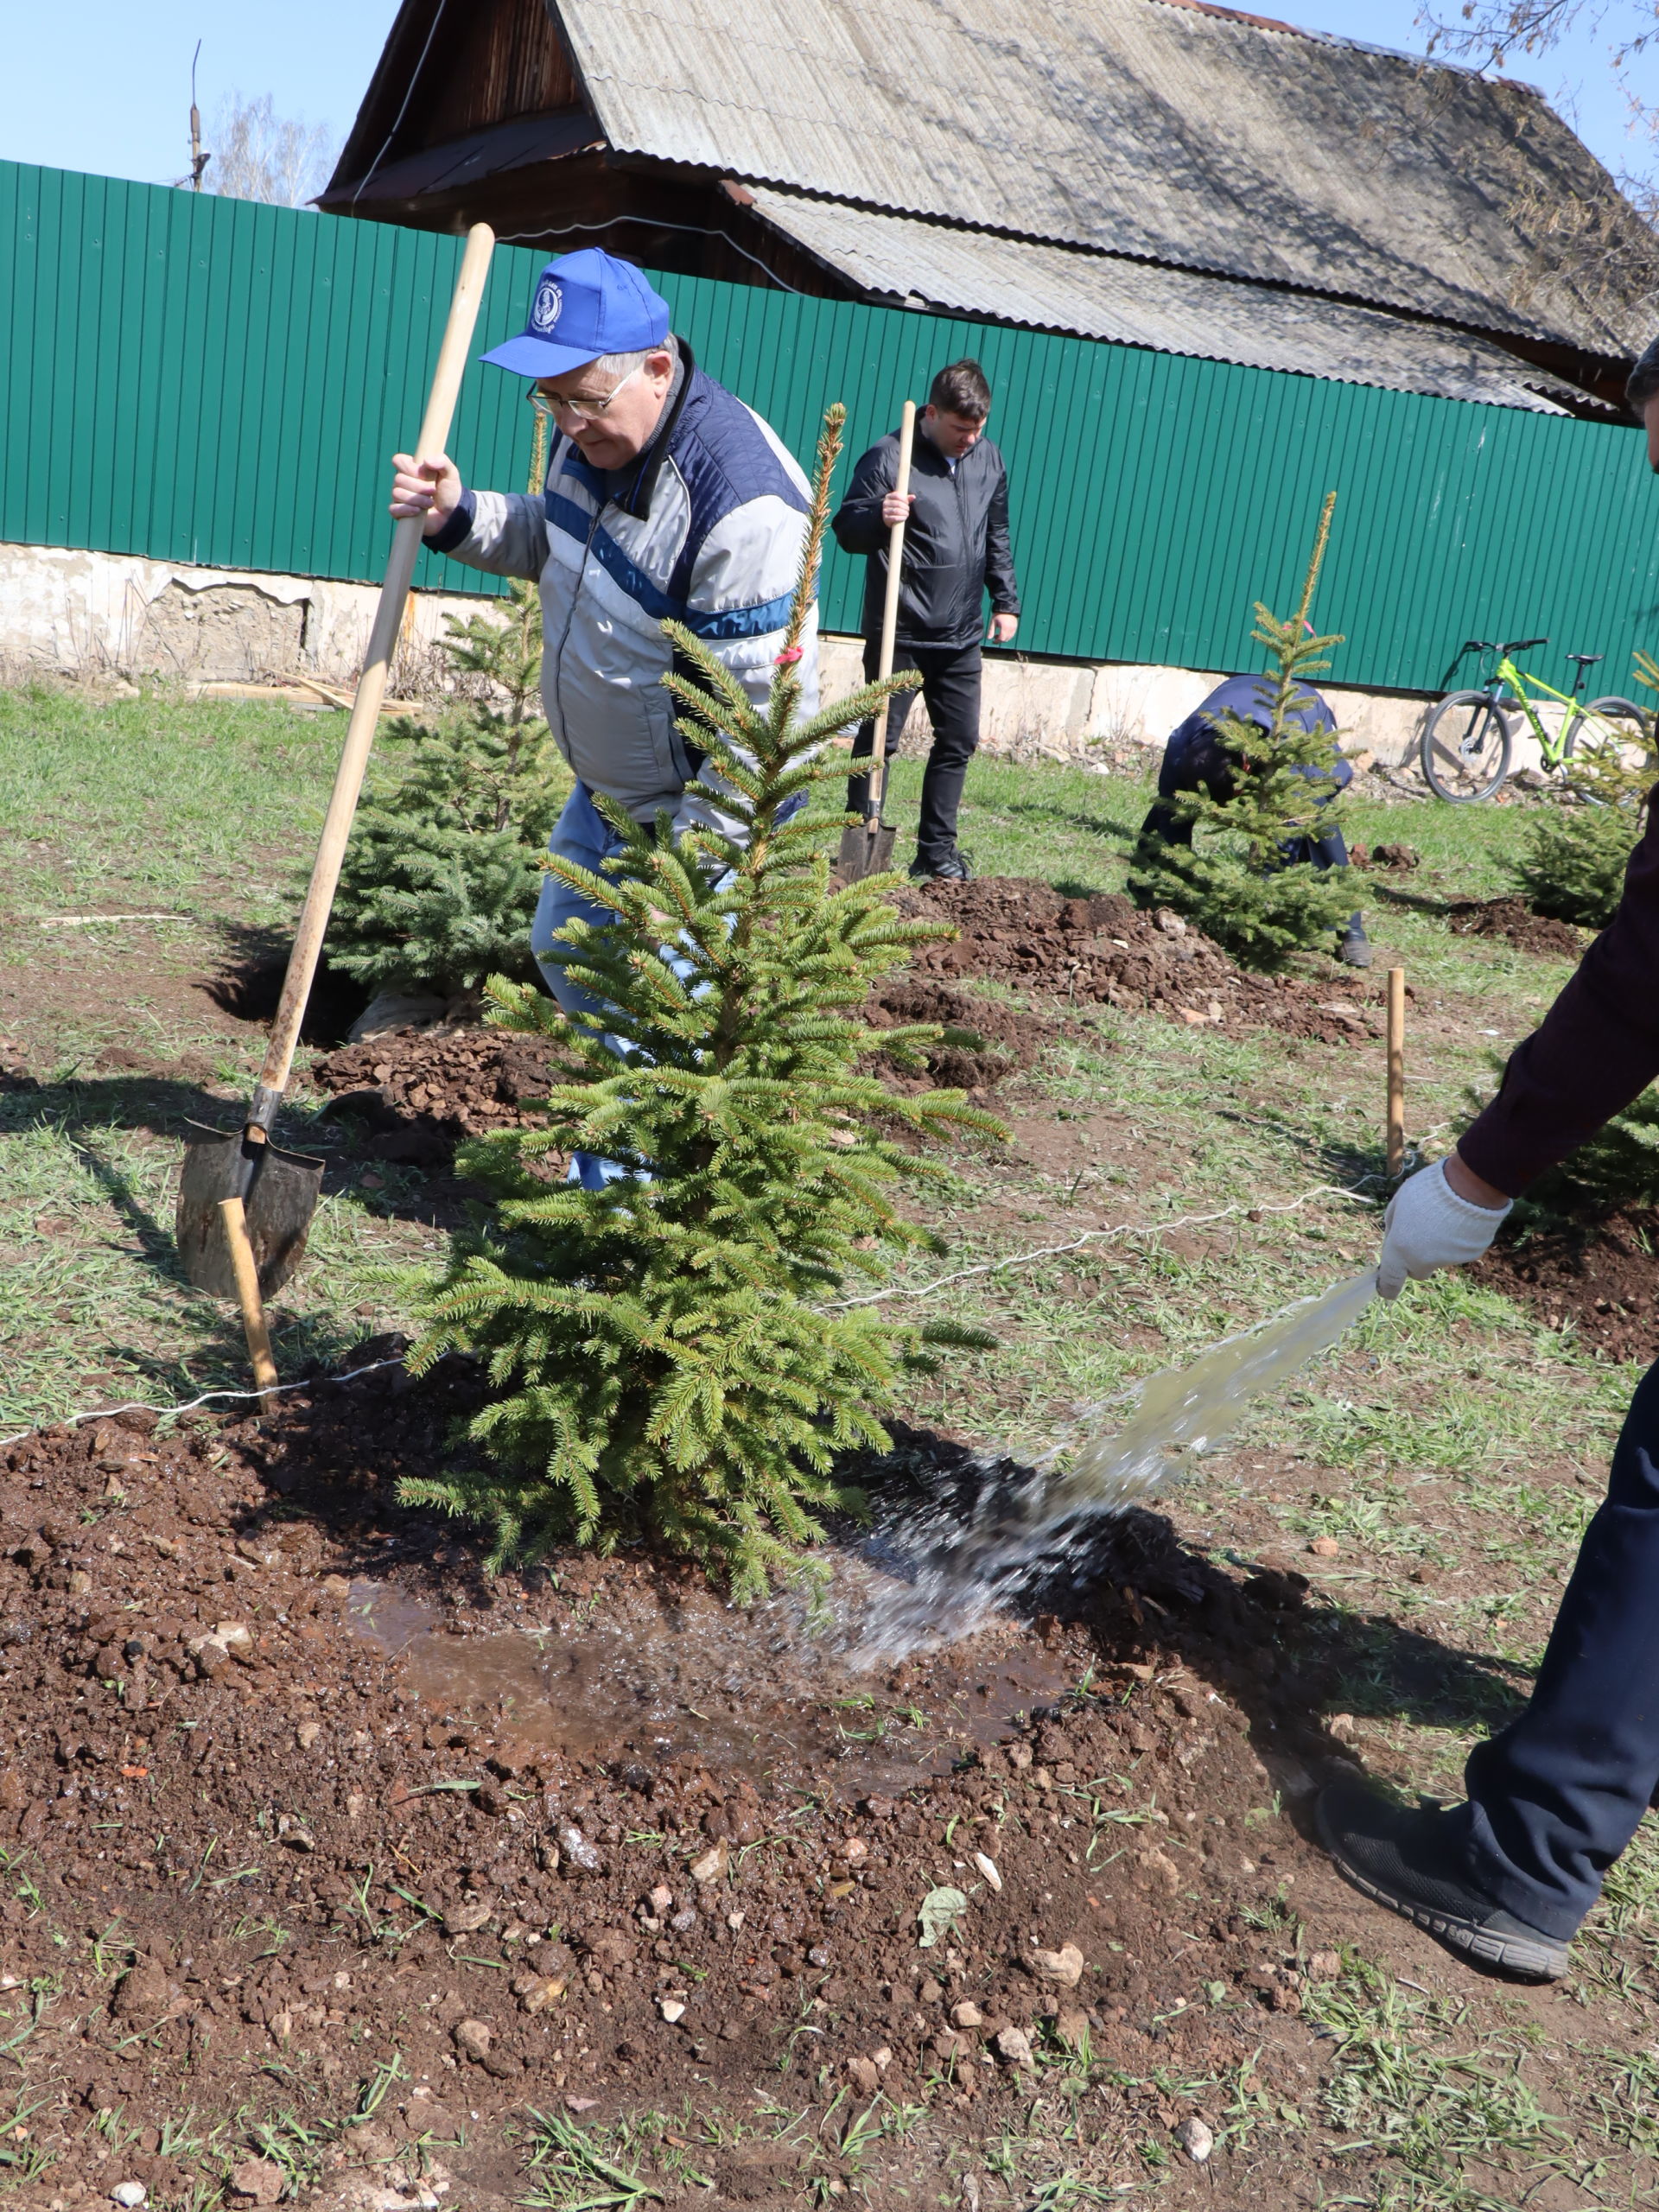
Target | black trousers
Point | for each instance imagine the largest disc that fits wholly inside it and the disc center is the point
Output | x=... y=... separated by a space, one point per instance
x=950 y=687
x=1556 y=1796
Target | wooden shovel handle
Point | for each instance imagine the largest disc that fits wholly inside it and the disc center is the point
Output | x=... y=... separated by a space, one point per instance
x=877 y=786
x=371 y=688
x=246 y=1271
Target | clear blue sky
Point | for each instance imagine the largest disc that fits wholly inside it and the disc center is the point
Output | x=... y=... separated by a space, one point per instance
x=104 y=85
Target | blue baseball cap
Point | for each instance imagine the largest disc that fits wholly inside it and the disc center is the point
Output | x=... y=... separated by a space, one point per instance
x=586 y=304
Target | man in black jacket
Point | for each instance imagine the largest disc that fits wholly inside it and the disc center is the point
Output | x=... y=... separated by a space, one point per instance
x=956 y=550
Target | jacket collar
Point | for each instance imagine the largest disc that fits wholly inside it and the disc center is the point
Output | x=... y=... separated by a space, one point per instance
x=632 y=488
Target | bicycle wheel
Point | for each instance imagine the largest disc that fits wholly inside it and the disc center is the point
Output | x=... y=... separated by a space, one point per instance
x=1466 y=748
x=1611 y=721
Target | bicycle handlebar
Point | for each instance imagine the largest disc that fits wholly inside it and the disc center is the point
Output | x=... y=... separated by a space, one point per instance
x=1489 y=645
x=1520 y=645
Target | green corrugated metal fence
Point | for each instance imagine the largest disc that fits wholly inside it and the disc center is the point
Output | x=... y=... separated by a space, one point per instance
x=199 y=379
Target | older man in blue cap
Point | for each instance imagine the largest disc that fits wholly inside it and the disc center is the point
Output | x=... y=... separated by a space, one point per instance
x=665 y=496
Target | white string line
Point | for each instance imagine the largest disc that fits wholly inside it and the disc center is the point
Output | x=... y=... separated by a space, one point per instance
x=1099 y=1236
x=922 y=1290
x=161 y=1413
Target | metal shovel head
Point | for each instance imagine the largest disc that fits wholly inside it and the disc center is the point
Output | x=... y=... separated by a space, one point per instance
x=278 y=1192
x=864 y=852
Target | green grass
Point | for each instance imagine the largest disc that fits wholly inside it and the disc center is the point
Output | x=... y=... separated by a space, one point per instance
x=1441 y=1441
x=197 y=805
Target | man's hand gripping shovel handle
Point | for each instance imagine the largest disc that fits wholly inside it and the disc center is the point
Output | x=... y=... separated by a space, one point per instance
x=371 y=692
x=876 y=788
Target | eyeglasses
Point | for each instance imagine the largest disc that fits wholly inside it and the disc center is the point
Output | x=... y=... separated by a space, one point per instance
x=577 y=411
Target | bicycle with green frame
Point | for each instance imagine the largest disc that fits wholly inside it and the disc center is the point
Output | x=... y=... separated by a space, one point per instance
x=1469 y=740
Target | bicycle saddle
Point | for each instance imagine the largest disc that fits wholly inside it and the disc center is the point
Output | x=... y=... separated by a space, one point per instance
x=1586 y=660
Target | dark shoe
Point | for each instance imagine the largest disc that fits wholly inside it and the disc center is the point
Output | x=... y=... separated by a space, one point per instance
x=948 y=867
x=1414 y=1863
x=1354 y=949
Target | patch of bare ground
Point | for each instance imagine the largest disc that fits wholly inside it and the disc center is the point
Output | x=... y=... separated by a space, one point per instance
x=1595 y=1278
x=1106 y=951
x=292 y=1791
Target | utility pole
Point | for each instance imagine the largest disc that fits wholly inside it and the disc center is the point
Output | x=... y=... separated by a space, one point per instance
x=199 y=160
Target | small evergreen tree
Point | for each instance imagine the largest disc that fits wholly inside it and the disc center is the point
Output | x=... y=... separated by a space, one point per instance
x=1573 y=861
x=444 y=871
x=1236 y=886
x=673 y=1354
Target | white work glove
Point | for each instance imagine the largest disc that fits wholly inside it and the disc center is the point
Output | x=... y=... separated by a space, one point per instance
x=1428 y=1226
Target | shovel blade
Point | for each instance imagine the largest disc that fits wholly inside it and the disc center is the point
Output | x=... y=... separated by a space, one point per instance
x=864 y=852
x=278 y=1192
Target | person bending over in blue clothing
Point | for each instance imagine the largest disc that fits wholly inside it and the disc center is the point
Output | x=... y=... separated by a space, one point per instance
x=1195 y=758
x=665 y=496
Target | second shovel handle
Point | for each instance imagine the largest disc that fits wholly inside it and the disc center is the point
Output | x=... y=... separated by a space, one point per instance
x=878 y=783
x=370 y=687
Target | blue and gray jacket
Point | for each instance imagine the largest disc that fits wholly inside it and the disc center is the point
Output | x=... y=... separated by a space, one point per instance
x=706 y=527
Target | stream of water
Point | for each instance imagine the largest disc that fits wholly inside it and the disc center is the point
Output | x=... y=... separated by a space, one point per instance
x=957 y=1572
x=767 y=1690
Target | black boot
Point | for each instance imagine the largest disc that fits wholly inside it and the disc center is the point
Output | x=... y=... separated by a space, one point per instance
x=948 y=867
x=1416 y=1863
x=1353 y=946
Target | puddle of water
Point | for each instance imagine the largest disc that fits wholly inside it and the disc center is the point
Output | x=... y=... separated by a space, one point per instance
x=960 y=1575
x=754 y=1691
x=764 y=1692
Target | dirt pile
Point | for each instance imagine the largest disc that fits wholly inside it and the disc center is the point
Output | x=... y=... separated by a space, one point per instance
x=1008 y=1039
x=1514 y=921
x=250 y=1856
x=1398 y=857
x=1105 y=949
x=419 y=1092
x=1600 y=1279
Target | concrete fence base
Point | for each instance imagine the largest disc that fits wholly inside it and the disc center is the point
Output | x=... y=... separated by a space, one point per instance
x=91 y=615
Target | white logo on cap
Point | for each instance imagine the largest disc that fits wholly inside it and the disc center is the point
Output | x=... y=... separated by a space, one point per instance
x=549 y=300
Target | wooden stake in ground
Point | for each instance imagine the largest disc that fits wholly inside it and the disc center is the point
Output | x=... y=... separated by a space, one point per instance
x=247 y=1292
x=1396 y=1070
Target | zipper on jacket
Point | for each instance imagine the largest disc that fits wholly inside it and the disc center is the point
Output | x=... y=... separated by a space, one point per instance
x=569 y=616
x=961 y=524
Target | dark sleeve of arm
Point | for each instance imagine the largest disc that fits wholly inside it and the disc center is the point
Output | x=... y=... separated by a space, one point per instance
x=458 y=529
x=857 y=521
x=1596 y=1049
x=999 y=552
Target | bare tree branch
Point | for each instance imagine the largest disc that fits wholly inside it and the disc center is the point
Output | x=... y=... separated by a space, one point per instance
x=259 y=156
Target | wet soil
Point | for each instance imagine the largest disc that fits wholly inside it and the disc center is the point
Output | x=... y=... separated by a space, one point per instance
x=1104 y=950
x=1595 y=1278
x=1513 y=922
x=291 y=1786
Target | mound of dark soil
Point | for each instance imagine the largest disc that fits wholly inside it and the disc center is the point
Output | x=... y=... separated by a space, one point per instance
x=1599 y=1278
x=1385 y=857
x=645 y=1880
x=1514 y=921
x=1105 y=949
x=419 y=1092
x=1010 y=1038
